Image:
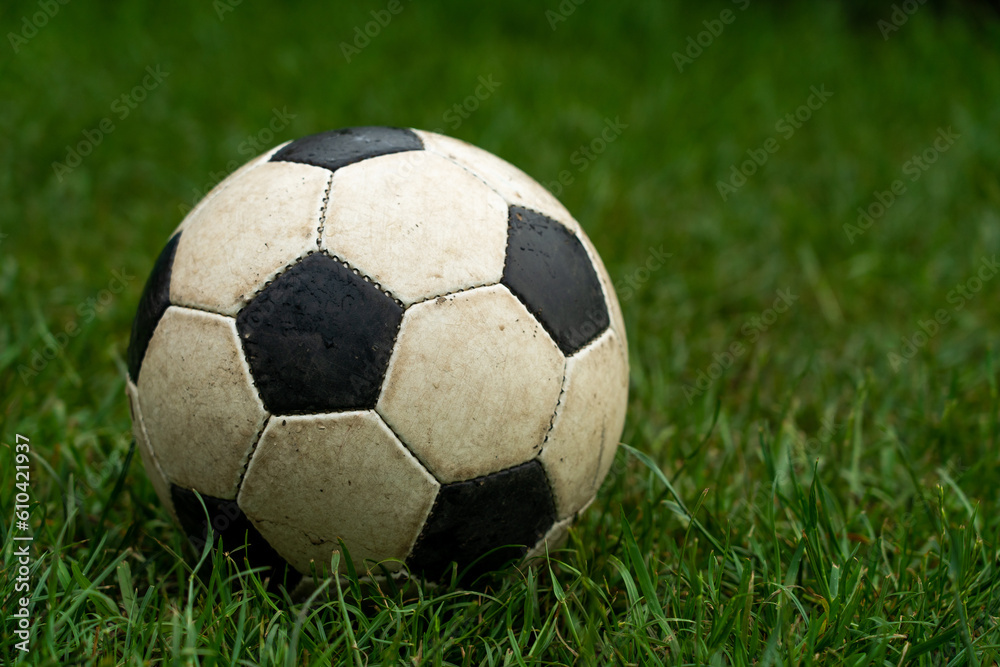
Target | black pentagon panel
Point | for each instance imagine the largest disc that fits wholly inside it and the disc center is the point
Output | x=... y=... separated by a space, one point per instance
x=339 y=148
x=548 y=269
x=153 y=303
x=228 y=522
x=485 y=522
x=318 y=339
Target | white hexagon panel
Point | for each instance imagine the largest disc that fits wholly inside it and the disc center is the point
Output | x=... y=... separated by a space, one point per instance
x=381 y=336
x=396 y=219
x=307 y=466
x=195 y=213
x=515 y=186
x=262 y=221
x=581 y=445
x=199 y=406
x=472 y=384
x=156 y=475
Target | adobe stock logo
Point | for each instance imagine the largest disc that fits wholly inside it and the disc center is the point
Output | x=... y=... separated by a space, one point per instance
x=87 y=311
x=630 y=284
x=460 y=111
x=38 y=20
x=786 y=126
x=751 y=330
x=223 y=7
x=697 y=44
x=122 y=106
x=585 y=155
x=899 y=16
x=914 y=168
x=372 y=29
x=566 y=9
x=958 y=297
x=254 y=144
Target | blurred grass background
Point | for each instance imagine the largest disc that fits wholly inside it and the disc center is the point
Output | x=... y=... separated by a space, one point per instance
x=905 y=493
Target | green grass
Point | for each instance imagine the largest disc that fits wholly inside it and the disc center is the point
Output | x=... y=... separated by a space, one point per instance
x=816 y=504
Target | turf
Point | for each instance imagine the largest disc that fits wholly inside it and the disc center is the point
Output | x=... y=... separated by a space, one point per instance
x=817 y=485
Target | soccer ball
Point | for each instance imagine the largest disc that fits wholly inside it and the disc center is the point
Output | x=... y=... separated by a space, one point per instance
x=380 y=337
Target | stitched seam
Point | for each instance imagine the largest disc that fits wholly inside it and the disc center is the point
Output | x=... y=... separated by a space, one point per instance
x=458 y=291
x=323 y=212
x=555 y=411
x=248 y=369
x=555 y=509
x=592 y=342
x=423 y=464
x=282 y=271
x=368 y=279
x=253 y=450
x=353 y=161
x=149 y=448
x=510 y=203
x=474 y=174
x=267 y=283
x=596 y=262
x=196 y=307
x=497 y=472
